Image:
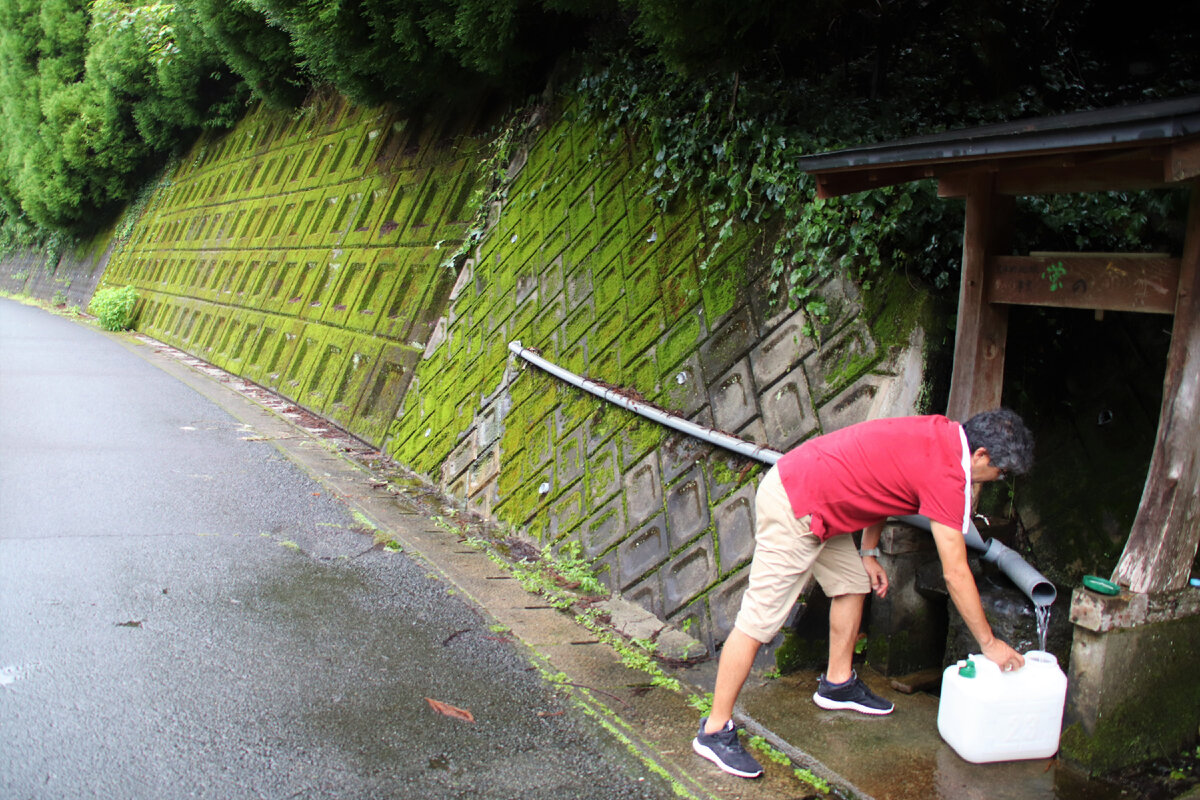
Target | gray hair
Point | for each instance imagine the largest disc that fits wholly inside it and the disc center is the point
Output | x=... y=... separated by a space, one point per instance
x=1004 y=435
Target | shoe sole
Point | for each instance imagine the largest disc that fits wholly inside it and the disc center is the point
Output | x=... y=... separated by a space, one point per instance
x=706 y=752
x=849 y=705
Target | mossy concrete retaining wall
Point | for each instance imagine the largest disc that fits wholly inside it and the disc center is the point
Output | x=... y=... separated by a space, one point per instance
x=309 y=254
x=580 y=265
x=68 y=279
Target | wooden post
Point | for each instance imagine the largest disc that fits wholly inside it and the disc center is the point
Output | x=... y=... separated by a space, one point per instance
x=1162 y=543
x=982 y=328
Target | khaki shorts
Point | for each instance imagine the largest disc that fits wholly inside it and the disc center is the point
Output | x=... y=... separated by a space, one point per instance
x=786 y=554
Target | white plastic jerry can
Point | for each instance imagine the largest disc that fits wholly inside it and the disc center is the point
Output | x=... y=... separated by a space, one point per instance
x=988 y=715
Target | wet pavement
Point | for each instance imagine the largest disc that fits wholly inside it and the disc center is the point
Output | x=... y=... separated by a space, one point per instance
x=901 y=756
x=199 y=652
x=184 y=612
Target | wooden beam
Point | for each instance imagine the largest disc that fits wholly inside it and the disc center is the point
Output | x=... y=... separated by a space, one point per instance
x=835 y=184
x=1108 y=282
x=1145 y=169
x=1162 y=544
x=1184 y=161
x=982 y=328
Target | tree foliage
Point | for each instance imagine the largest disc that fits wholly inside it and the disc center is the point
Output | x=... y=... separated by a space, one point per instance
x=91 y=93
x=94 y=94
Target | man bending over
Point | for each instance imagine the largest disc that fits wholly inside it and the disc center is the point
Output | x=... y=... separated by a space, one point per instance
x=830 y=486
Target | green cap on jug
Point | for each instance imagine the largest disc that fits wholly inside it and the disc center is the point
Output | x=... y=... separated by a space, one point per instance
x=966 y=669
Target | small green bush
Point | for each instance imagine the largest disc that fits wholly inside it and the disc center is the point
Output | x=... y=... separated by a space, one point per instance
x=113 y=307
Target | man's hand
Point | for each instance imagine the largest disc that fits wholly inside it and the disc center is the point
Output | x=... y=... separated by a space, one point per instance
x=1001 y=654
x=877 y=574
x=870 y=541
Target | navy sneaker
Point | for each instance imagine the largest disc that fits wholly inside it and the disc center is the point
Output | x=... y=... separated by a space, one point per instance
x=853 y=695
x=723 y=749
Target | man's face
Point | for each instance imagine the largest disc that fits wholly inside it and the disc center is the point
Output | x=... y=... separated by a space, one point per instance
x=982 y=468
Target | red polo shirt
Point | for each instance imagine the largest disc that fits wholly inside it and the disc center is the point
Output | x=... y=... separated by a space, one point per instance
x=861 y=475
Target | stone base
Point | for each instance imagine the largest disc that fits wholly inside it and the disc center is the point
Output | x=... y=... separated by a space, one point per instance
x=906 y=630
x=1132 y=690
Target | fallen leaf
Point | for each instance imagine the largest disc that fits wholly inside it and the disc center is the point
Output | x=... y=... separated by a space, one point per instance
x=449 y=710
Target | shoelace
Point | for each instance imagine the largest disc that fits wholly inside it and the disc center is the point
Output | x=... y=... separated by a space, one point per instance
x=727 y=736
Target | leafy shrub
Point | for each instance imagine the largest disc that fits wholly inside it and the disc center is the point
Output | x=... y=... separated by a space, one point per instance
x=113 y=307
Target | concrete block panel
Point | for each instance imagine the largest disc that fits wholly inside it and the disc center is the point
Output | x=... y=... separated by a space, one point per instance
x=384 y=391
x=781 y=351
x=687 y=508
x=852 y=405
x=693 y=620
x=603 y=529
x=566 y=513
x=726 y=472
x=683 y=391
x=321 y=271
x=726 y=345
x=734 y=519
x=787 y=412
x=725 y=601
x=572 y=456
x=643 y=491
x=283 y=275
x=273 y=350
x=734 y=399
x=340 y=367
x=647 y=594
x=460 y=459
x=687 y=575
x=366 y=297
x=240 y=334
x=483 y=471
x=841 y=361
x=350 y=279
x=642 y=551
x=405 y=301
x=679 y=453
x=310 y=347
x=603 y=474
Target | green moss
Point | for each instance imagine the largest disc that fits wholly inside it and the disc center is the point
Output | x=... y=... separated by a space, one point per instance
x=893 y=309
x=602 y=476
x=797 y=652
x=1147 y=663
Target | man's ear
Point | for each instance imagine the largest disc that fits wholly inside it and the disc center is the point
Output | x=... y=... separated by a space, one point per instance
x=979 y=453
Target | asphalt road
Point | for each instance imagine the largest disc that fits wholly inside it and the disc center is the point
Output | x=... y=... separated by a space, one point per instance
x=185 y=614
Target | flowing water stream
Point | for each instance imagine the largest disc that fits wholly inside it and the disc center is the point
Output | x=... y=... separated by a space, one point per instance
x=1043 y=624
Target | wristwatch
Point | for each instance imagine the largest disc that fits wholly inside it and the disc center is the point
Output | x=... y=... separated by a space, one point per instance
x=874 y=551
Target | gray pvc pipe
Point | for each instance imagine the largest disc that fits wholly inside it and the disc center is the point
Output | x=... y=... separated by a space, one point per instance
x=1027 y=579
x=739 y=446
x=1032 y=583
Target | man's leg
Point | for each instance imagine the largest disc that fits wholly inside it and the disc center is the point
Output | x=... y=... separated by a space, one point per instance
x=841 y=574
x=845 y=618
x=783 y=550
x=737 y=656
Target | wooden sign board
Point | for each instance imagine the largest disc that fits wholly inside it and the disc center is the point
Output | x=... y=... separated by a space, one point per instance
x=1107 y=282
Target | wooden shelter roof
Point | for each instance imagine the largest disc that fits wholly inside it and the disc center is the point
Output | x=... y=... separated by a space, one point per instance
x=1132 y=147
x=1137 y=146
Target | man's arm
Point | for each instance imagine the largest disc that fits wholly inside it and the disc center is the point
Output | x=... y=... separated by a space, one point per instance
x=878 y=576
x=952 y=550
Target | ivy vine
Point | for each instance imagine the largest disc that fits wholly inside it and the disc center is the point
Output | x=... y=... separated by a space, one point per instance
x=735 y=149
